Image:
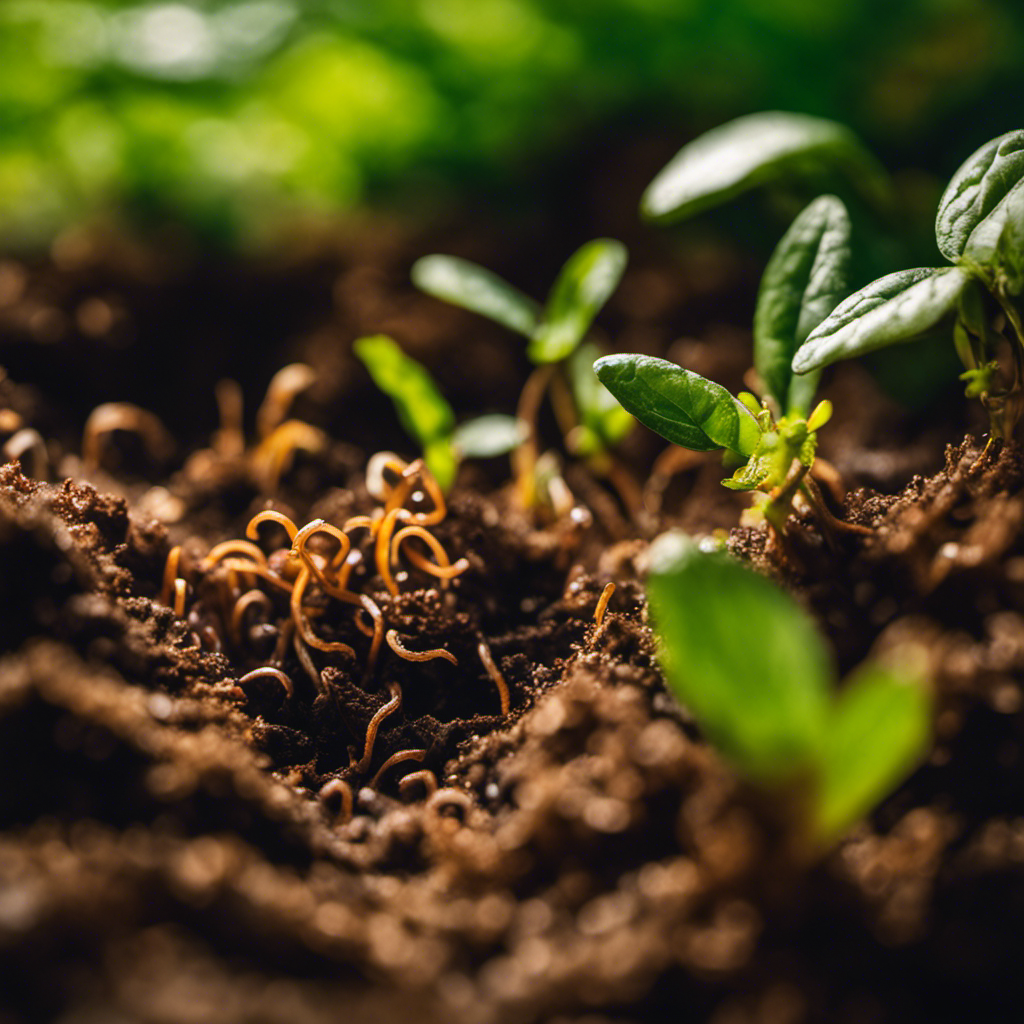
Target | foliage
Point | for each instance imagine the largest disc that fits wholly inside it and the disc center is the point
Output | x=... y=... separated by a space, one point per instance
x=979 y=228
x=426 y=415
x=746 y=660
x=774 y=443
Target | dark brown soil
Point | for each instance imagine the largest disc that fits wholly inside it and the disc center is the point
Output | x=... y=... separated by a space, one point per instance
x=169 y=851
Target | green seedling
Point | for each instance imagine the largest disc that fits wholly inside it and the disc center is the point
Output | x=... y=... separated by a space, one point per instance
x=979 y=228
x=426 y=415
x=591 y=420
x=764 y=149
x=749 y=664
x=773 y=442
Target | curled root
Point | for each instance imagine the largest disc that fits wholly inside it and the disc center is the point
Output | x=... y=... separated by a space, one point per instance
x=602 y=604
x=337 y=789
x=307 y=662
x=397 y=758
x=371 y=730
x=229 y=441
x=111 y=416
x=492 y=670
x=233 y=547
x=268 y=672
x=263 y=572
x=449 y=797
x=269 y=515
x=303 y=628
x=442 y=568
x=382 y=552
x=425 y=775
x=241 y=606
x=396 y=645
x=284 y=386
x=374 y=612
x=275 y=453
x=170 y=575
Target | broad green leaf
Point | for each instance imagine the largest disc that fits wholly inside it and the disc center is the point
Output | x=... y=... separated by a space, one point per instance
x=996 y=245
x=756 y=149
x=598 y=408
x=878 y=730
x=682 y=406
x=806 y=278
x=896 y=308
x=742 y=656
x=422 y=409
x=488 y=436
x=470 y=286
x=976 y=189
x=584 y=284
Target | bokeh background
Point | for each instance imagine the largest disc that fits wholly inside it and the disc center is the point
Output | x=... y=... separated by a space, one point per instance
x=232 y=118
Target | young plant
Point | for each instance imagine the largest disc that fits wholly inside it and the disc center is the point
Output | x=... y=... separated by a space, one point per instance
x=773 y=442
x=426 y=415
x=746 y=660
x=591 y=420
x=979 y=228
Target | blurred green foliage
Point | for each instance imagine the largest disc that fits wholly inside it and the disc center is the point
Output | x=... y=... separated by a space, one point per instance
x=234 y=113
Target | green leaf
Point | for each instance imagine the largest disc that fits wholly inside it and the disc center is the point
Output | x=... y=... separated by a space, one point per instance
x=598 y=408
x=470 y=286
x=896 y=308
x=742 y=656
x=583 y=286
x=682 y=406
x=442 y=460
x=980 y=184
x=488 y=436
x=804 y=281
x=756 y=149
x=879 y=729
x=996 y=245
x=422 y=409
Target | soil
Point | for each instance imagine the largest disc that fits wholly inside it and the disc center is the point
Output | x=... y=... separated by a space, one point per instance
x=176 y=843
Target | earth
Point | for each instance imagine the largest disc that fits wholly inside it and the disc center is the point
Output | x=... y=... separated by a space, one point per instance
x=238 y=787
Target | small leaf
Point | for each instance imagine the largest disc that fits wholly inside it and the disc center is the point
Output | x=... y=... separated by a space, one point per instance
x=488 y=436
x=682 y=406
x=742 y=656
x=442 y=460
x=896 y=308
x=583 y=286
x=976 y=189
x=472 y=287
x=879 y=729
x=422 y=409
x=598 y=408
x=756 y=149
x=804 y=281
x=996 y=245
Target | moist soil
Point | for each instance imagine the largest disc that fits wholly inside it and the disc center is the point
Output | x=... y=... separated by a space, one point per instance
x=176 y=842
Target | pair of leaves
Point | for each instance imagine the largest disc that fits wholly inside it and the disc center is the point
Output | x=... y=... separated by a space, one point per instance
x=685 y=408
x=426 y=415
x=749 y=664
x=979 y=227
x=806 y=277
x=760 y=149
x=583 y=286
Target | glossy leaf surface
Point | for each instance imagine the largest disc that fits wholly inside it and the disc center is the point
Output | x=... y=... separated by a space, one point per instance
x=583 y=286
x=977 y=188
x=598 y=408
x=466 y=284
x=806 y=278
x=756 y=149
x=682 y=406
x=895 y=308
x=742 y=656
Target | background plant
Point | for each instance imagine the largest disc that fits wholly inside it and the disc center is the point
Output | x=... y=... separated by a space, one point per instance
x=746 y=660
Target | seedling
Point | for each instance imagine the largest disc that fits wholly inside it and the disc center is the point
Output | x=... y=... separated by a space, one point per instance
x=589 y=417
x=979 y=228
x=773 y=442
x=749 y=664
x=427 y=416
